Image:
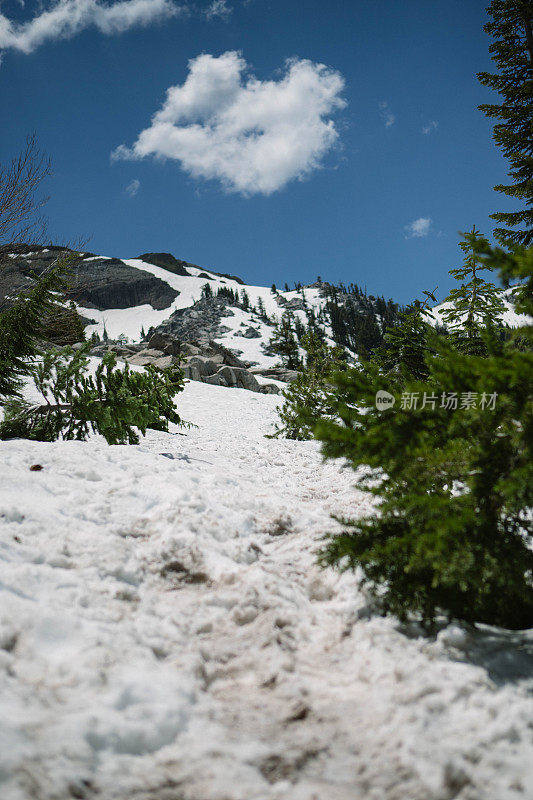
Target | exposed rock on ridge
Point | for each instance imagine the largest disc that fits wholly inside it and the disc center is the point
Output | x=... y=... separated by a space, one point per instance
x=94 y=281
x=201 y=321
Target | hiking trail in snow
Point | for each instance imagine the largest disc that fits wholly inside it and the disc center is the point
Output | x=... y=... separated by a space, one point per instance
x=165 y=633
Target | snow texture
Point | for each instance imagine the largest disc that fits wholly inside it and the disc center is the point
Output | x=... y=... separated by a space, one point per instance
x=165 y=633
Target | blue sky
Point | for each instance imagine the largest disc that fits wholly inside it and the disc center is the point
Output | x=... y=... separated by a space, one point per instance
x=271 y=169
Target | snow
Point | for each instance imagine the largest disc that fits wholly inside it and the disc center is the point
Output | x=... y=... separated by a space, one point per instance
x=130 y=321
x=158 y=641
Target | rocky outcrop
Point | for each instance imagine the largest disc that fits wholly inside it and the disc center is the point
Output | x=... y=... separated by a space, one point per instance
x=109 y=283
x=168 y=262
x=199 y=322
x=249 y=333
x=93 y=281
x=278 y=373
x=209 y=363
x=294 y=304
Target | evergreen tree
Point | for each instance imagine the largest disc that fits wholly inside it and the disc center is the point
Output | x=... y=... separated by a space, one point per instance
x=20 y=329
x=245 y=300
x=261 y=310
x=512 y=51
x=452 y=464
x=273 y=289
x=405 y=345
x=310 y=397
x=62 y=325
x=283 y=341
x=299 y=328
x=477 y=303
x=207 y=292
x=115 y=403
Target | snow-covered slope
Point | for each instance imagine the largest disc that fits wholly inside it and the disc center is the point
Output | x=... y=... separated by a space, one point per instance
x=166 y=635
x=130 y=321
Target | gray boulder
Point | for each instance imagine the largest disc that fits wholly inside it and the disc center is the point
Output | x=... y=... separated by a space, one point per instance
x=204 y=365
x=239 y=378
x=249 y=333
x=215 y=380
x=140 y=361
x=164 y=362
x=269 y=388
x=192 y=372
x=278 y=373
x=201 y=321
x=167 y=344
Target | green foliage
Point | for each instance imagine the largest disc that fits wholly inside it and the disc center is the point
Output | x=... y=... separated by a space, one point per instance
x=452 y=530
x=21 y=328
x=117 y=403
x=405 y=344
x=358 y=320
x=62 y=325
x=477 y=303
x=261 y=310
x=512 y=52
x=310 y=397
x=283 y=341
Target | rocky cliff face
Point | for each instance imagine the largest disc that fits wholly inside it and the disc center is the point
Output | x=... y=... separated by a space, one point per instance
x=94 y=282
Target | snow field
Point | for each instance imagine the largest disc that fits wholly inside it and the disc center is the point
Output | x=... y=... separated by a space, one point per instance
x=130 y=321
x=165 y=633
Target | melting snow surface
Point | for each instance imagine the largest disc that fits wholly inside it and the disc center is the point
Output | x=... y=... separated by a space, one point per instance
x=166 y=635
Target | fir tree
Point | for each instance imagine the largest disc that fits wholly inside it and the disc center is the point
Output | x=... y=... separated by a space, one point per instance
x=405 y=345
x=512 y=51
x=207 y=292
x=261 y=310
x=115 y=403
x=62 y=325
x=283 y=341
x=245 y=300
x=452 y=465
x=299 y=328
x=476 y=304
x=20 y=329
x=310 y=397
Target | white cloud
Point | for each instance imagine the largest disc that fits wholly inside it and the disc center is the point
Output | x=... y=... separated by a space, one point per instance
x=65 y=18
x=386 y=114
x=419 y=228
x=254 y=136
x=430 y=127
x=133 y=187
x=218 y=8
